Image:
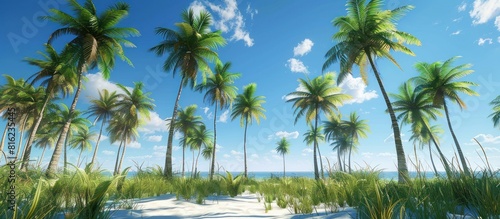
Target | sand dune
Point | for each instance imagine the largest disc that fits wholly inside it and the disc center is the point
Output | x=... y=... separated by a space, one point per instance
x=243 y=206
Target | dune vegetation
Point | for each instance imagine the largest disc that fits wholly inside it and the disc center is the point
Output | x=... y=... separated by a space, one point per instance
x=85 y=190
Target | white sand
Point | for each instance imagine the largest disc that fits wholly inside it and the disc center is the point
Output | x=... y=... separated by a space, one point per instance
x=242 y=206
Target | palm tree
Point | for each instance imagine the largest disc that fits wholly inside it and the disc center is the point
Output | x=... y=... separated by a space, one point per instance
x=356 y=128
x=247 y=106
x=334 y=133
x=132 y=107
x=102 y=108
x=82 y=140
x=185 y=123
x=58 y=77
x=190 y=49
x=219 y=91
x=200 y=137
x=45 y=138
x=314 y=96
x=424 y=138
x=121 y=129
x=341 y=143
x=315 y=135
x=439 y=81
x=367 y=32
x=495 y=116
x=97 y=40
x=283 y=148
x=416 y=108
x=207 y=153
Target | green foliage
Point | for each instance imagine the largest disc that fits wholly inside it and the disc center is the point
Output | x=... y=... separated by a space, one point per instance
x=233 y=184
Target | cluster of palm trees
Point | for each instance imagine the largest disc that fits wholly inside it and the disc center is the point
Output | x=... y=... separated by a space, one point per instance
x=366 y=34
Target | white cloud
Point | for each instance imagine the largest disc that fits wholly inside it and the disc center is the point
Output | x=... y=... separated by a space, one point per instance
x=177 y=135
x=485 y=40
x=154 y=138
x=134 y=144
x=205 y=110
x=303 y=48
x=255 y=156
x=160 y=148
x=485 y=10
x=357 y=89
x=307 y=150
x=251 y=11
x=197 y=7
x=229 y=18
x=288 y=135
x=456 y=32
x=154 y=124
x=176 y=148
x=386 y=154
x=487 y=139
x=296 y=65
x=233 y=152
x=497 y=23
x=226 y=156
x=106 y=152
x=457 y=19
x=95 y=83
x=104 y=137
x=462 y=7
x=367 y=155
x=225 y=115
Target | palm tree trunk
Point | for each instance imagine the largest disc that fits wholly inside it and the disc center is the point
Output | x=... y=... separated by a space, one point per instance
x=168 y=159
x=245 y=148
x=97 y=143
x=21 y=128
x=3 y=137
x=183 y=158
x=115 y=171
x=459 y=149
x=192 y=166
x=41 y=157
x=212 y=167
x=321 y=163
x=66 y=152
x=121 y=159
x=284 y=166
x=196 y=164
x=79 y=156
x=315 y=159
x=432 y=160
x=54 y=160
x=402 y=168
x=27 y=153
x=339 y=160
x=350 y=152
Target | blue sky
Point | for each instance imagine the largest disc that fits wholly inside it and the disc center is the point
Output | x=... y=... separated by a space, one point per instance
x=273 y=44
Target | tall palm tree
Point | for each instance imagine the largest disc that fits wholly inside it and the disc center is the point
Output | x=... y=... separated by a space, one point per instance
x=416 y=108
x=133 y=106
x=102 y=108
x=341 y=143
x=219 y=91
x=314 y=96
x=283 y=148
x=438 y=80
x=248 y=107
x=185 y=123
x=200 y=137
x=315 y=135
x=82 y=140
x=97 y=40
x=356 y=128
x=189 y=49
x=334 y=132
x=368 y=32
x=45 y=138
x=57 y=78
x=121 y=129
x=207 y=154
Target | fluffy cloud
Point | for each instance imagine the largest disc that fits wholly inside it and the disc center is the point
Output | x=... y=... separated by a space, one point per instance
x=357 y=89
x=307 y=150
x=486 y=139
x=225 y=115
x=229 y=19
x=485 y=40
x=456 y=32
x=154 y=138
x=288 y=135
x=485 y=10
x=197 y=7
x=236 y=153
x=303 y=47
x=96 y=83
x=296 y=65
x=154 y=124
x=134 y=144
